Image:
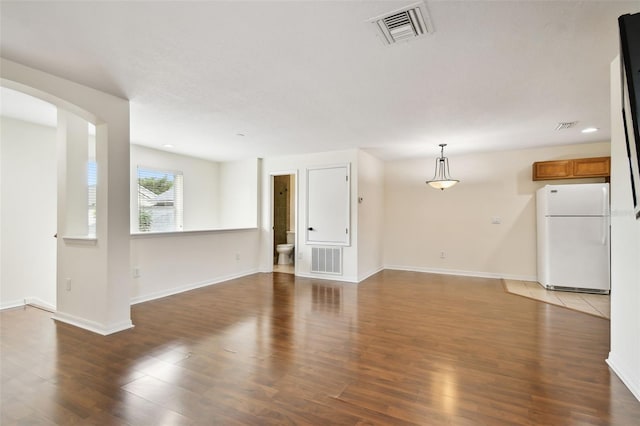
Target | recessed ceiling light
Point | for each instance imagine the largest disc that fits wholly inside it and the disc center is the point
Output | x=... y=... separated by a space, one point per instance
x=167 y=145
x=590 y=130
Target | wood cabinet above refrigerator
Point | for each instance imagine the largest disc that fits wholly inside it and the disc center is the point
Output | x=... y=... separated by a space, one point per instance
x=572 y=169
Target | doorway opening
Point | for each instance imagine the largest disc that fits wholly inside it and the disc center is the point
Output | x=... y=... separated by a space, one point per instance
x=29 y=200
x=284 y=202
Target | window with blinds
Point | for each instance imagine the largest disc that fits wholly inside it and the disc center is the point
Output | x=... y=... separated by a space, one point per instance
x=160 y=200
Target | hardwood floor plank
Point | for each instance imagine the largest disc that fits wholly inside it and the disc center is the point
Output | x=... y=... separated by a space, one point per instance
x=400 y=348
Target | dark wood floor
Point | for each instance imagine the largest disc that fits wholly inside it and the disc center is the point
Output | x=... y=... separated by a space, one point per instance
x=400 y=348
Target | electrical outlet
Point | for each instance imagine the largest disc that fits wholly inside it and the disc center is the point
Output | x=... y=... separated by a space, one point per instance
x=68 y=282
x=237 y=256
x=496 y=220
x=442 y=255
x=136 y=272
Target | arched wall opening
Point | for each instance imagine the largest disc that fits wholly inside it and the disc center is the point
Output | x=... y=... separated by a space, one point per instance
x=93 y=281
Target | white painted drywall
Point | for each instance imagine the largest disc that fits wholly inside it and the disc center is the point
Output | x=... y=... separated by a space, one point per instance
x=217 y=196
x=28 y=262
x=422 y=222
x=238 y=194
x=370 y=187
x=170 y=263
x=74 y=131
x=624 y=356
x=99 y=299
x=276 y=165
x=200 y=185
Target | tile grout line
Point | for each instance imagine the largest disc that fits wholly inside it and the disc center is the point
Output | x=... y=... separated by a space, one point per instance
x=527 y=289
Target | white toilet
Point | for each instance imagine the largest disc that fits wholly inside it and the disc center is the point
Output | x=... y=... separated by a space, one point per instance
x=285 y=251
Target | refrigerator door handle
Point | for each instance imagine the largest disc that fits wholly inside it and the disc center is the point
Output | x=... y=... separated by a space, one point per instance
x=604 y=230
x=605 y=202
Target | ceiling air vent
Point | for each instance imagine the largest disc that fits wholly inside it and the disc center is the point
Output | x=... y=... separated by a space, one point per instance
x=566 y=125
x=403 y=24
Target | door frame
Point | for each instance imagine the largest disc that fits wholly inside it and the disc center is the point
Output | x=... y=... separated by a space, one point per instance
x=272 y=175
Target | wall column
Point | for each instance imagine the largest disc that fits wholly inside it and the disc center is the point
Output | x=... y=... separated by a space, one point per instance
x=94 y=284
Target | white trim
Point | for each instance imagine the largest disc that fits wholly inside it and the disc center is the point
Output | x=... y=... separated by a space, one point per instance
x=624 y=375
x=329 y=277
x=92 y=325
x=33 y=301
x=370 y=274
x=12 y=304
x=84 y=240
x=187 y=287
x=137 y=235
x=478 y=274
x=39 y=303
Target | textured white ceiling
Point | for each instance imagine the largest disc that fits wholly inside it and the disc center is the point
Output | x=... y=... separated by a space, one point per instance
x=310 y=76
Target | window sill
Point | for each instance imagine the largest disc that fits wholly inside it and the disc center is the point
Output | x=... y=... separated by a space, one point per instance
x=84 y=240
x=137 y=235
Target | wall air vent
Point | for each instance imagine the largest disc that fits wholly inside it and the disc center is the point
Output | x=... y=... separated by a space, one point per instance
x=403 y=24
x=326 y=260
x=566 y=125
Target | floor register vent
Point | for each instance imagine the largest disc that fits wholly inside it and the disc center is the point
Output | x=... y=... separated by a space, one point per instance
x=403 y=24
x=326 y=260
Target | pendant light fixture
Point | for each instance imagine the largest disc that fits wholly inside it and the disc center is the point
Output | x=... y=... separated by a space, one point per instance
x=441 y=178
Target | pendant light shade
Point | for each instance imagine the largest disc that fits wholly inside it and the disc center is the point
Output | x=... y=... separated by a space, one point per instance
x=442 y=178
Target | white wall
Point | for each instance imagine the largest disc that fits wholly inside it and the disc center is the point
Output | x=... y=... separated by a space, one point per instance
x=238 y=188
x=421 y=222
x=286 y=164
x=217 y=198
x=172 y=263
x=28 y=167
x=200 y=185
x=217 y=195
x=370 y=185
x=99 y=296
x=624 y=357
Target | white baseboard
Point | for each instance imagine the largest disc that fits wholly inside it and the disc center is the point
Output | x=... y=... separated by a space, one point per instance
x=462 y=273
x=39 y=303
x=92 y=326
x=34 y=301
x=624 y=375
x=329 y=277
x=12 y=304
x=418 y=269
x=187 y=287
x=375 y=271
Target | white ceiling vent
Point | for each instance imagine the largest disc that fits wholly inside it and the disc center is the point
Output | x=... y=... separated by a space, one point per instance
x=566 y=125
x=403 y=24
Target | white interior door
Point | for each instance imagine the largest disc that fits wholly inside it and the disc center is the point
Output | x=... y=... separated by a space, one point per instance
x=328 y=205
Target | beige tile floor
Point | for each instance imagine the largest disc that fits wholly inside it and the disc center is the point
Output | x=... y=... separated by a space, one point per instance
x=287 y=269
x=594 y=304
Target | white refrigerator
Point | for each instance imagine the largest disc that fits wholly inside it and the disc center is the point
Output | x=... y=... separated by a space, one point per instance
x=573 y=237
